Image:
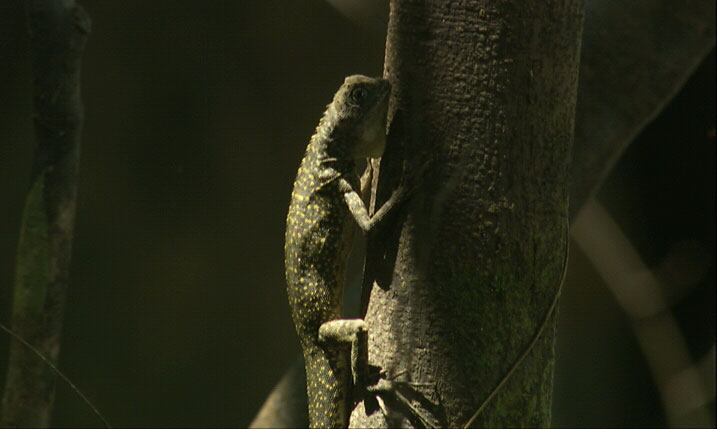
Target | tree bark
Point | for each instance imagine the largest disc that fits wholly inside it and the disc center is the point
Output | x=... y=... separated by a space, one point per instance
x=635 y=56
x=486 y=89
x=58 y=31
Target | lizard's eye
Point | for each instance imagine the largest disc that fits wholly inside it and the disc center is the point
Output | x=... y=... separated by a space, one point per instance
x=358 y=95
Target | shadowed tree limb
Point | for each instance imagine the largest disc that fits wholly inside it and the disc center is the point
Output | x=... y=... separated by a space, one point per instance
x=636 y=56
x=58 y=31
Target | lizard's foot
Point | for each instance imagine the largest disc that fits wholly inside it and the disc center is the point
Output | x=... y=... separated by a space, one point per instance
x=387 y=390
x=378 y=390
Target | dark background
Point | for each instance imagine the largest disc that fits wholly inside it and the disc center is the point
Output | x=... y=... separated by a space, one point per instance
x=197 y=114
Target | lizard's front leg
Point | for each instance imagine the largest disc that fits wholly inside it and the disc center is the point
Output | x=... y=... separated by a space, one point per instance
x=358 y=209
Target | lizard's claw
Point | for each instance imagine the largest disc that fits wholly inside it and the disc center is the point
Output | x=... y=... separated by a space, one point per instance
x=388 y=388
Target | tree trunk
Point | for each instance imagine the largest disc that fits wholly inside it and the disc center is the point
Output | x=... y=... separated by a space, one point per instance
x=487 y=91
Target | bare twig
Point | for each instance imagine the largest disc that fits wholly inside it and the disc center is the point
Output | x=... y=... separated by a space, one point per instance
x=59 y=373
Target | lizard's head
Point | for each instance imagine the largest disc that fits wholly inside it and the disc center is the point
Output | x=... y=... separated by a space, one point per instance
x=359 y=111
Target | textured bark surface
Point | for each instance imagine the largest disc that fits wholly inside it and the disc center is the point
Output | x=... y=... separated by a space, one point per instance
x=487 y=91
x=58 y=30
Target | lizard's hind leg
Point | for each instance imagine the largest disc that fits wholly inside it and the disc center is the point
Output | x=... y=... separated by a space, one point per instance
x=388 y=390
x=354 y=332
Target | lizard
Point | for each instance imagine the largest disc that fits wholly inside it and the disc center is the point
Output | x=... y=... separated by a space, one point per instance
x=326 y=203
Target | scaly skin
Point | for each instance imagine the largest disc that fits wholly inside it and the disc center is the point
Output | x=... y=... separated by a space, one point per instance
x=325 y=204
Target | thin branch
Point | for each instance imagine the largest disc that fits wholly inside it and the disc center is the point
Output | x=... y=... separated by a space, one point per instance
x=60 y=374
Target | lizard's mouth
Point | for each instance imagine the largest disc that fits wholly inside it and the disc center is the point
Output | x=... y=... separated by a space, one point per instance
x=371 y=133
x=385 y=90
x=372 y=137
